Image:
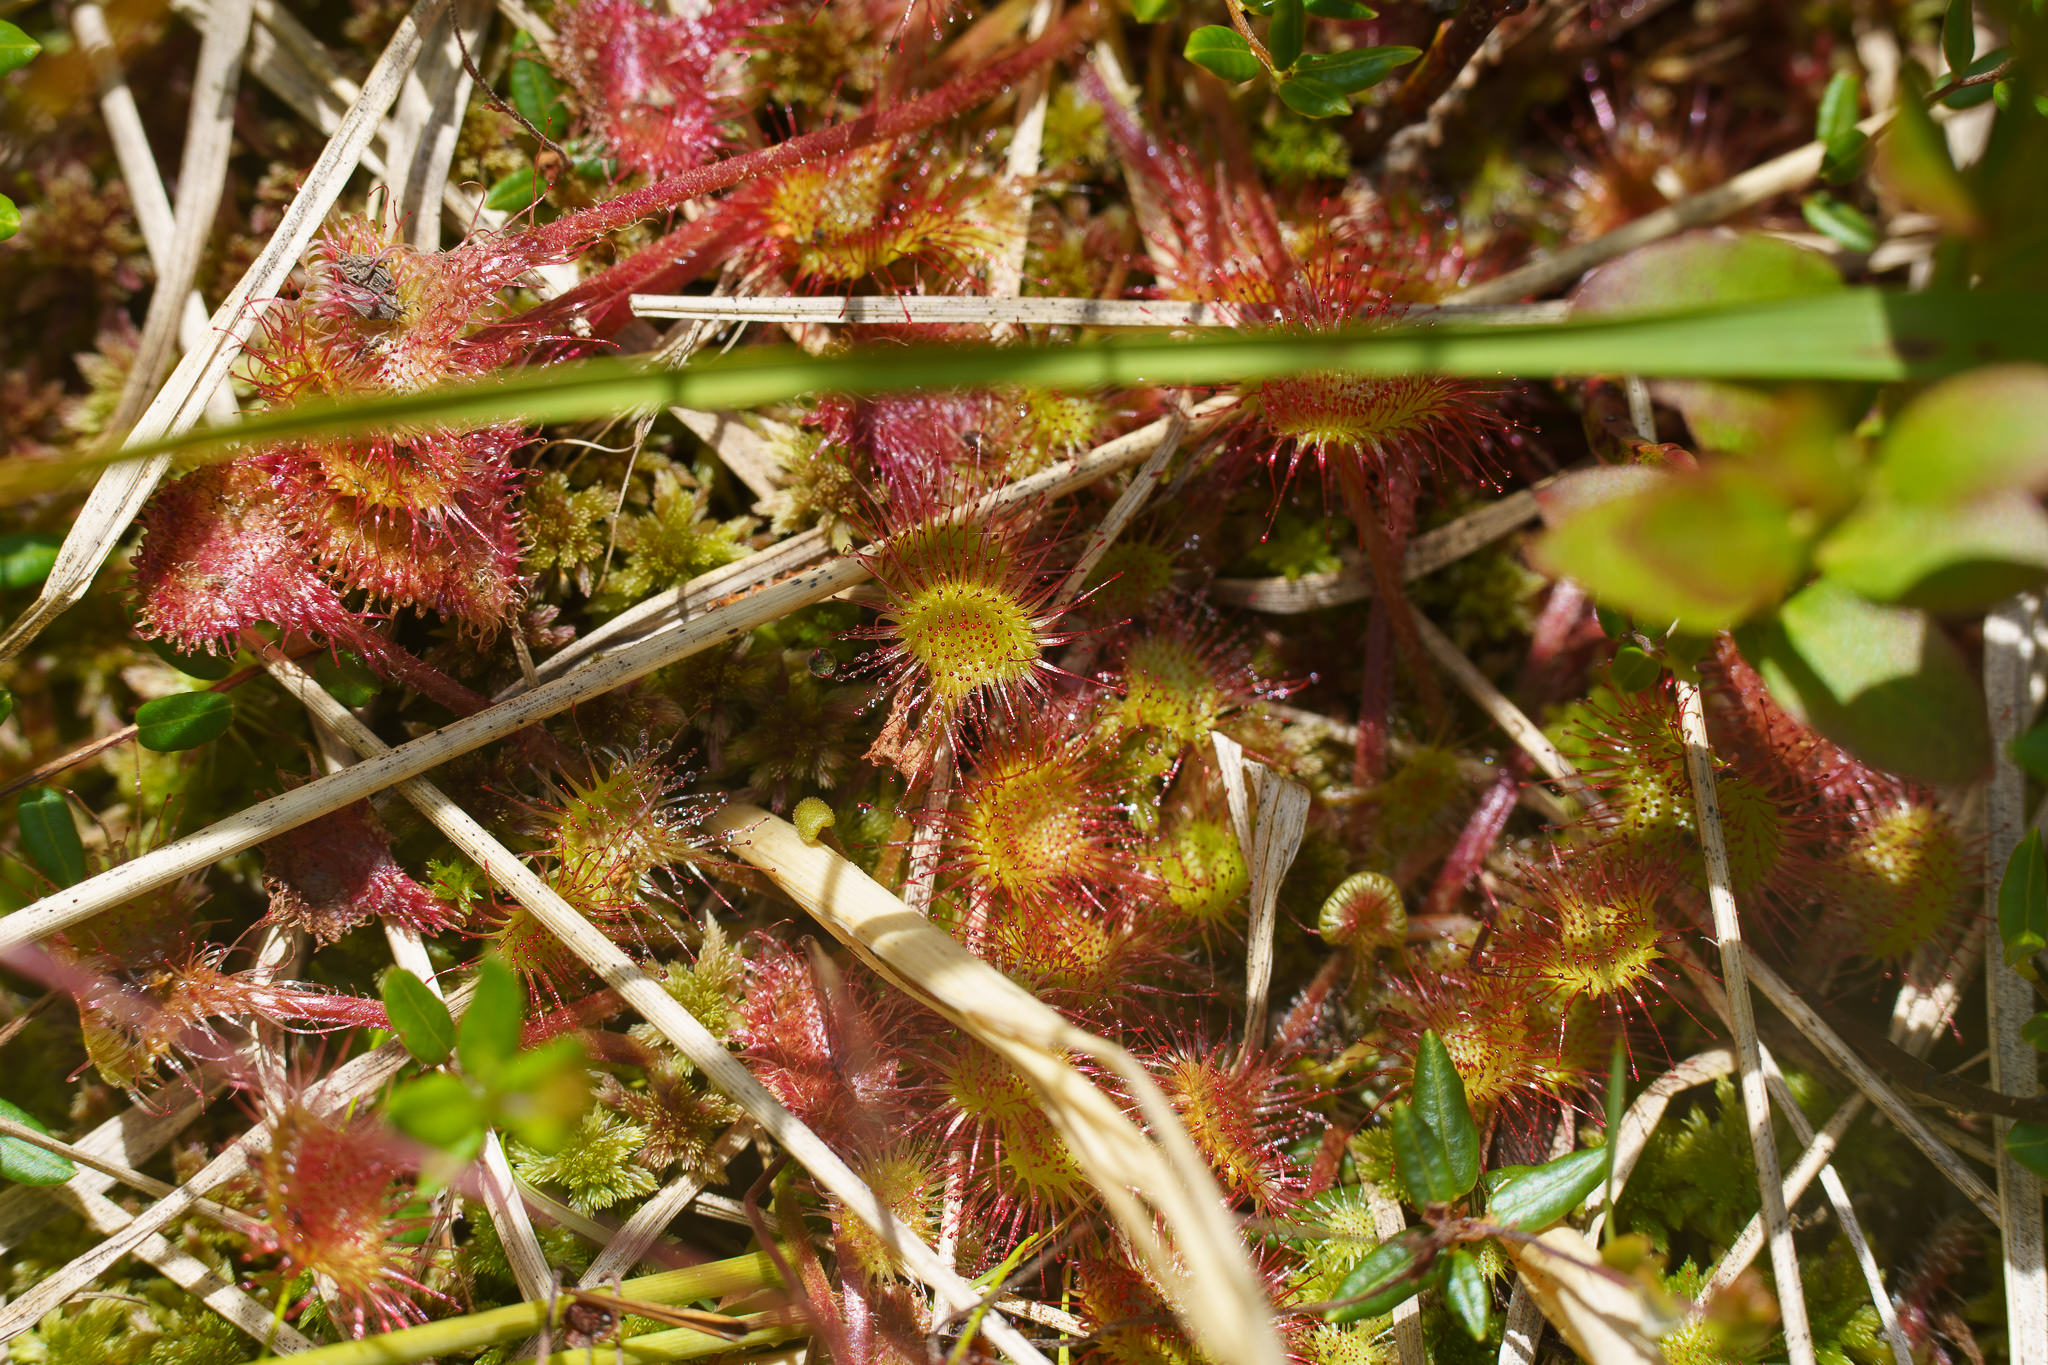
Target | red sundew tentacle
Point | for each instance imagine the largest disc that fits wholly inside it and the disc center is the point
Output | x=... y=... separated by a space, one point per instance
x=913 y=115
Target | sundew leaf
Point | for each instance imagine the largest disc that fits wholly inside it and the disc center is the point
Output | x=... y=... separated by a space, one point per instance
x=1388 y=1275
x=419 y=1016
x=183 y=720
x=2023 y=901
x=49 y=836
x=1222 y=52
x=1439 y=1098
x=24 y=1163
x=1852 y=334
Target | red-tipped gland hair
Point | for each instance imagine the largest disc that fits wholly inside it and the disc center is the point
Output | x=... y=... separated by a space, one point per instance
x=1507 y=1045
x=1242 y=1114
x=1183 y=676
x=1589 y=928
x=1018 y=1170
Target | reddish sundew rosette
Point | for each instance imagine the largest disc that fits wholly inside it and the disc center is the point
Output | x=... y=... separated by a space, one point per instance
x=970 y=609
x=1592 y=927
x=1242 y=1113
x=331 y=1197
x=1013 y=1168
x=1507 y=1041
x=337 y=872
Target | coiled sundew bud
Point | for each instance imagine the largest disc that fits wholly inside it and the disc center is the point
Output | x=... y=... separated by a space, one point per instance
x=1364 y=913
x=970 y=609
x=1901 y=881
x=1199 y=864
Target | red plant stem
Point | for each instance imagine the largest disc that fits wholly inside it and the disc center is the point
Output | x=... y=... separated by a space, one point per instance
x=911 y=116
x=1482 y=831
x=1381 y=540
x=1564 y=611
x=1375 y=696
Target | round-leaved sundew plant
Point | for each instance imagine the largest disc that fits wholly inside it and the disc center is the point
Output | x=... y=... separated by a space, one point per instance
x=969 y=610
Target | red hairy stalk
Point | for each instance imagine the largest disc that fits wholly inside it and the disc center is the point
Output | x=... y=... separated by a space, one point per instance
x=1481 y=834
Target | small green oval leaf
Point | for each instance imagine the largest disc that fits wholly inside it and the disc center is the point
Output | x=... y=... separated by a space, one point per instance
x=49 y=836
x=1313 y=98
x=1152 y=11
x=1953 y=561
x=17 y=49
x=1845 y=158
x=488 y=1036
x=2023 y=901
x=183 y=720
x=1843 y=222
x=420 y=1017
x=1634 y=669
x=1466 y=1292
x=515 y=192
x=26 y=558
x=1285 y=31
x=2028 y=1143
x=1838 y=106
x=1968 y=437
x=1359 y=69
x=1531 y=1198
x=2030 y=751
x=1390 y=1274
x=2035 y=1032
x=1883 y=682
x=204 y=666
x=1421 y=1160
x=1340 y=9
x=536 y=94
x=1958 y=35
x=25 y=1163
x=10 y=218
x=348 y=680
x=1439 y=1097
x=1222 y=52
x=438 y=1110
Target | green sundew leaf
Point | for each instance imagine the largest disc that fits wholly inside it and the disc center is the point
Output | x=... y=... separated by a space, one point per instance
x=514 y=192
x=10 y=218
x=1421 y=1159
x=420 y=1017
x=2028 y=1143
x=347 y=679
x=183 y=720
x=488 y=1035
x=1340 y=9
x=1913 y=162
x=1950 y=560
x=1313 y=98
x=1843 y=222
x=1284 y=32
x=17 y=49
x=536 y=94
x=49 y=836
x=1703 y=548
x=206 y=667
x=2035 y=1031
x=1883 y=682
x=1838 y=106
x=1634 y=669
x=1958 y=35
x=2030 y=751
x=1531 y=1198
x=1152 y=11
x=1844 y=158
x=2023 y=901
x=1222 y=52
x=1438 y=1094
x=1966 y=438
x=1391 y=1273
x=23 y=1162
x=25 y=559
x=1359 y=69
x=1466 y=1292
x=439 y=1110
